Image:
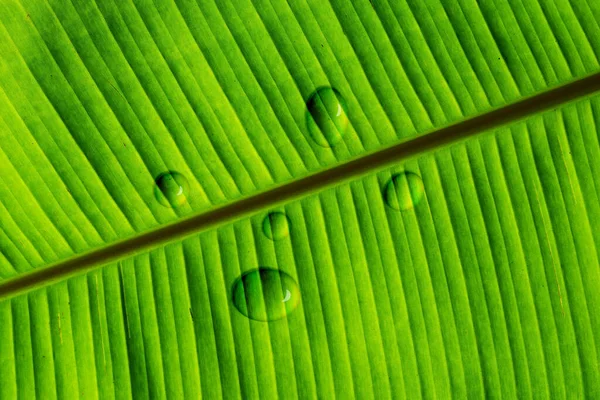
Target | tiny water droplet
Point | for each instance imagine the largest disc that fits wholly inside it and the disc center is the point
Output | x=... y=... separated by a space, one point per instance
x=265 y=294
x=171 y=189
x=403 y=191
x=327 y=116
x=276 y=226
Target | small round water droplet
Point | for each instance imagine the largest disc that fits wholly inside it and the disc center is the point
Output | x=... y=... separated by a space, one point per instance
x=266 y=294
x=276 y=226
x=171 y=189
x=327 y=116
x=403 y=191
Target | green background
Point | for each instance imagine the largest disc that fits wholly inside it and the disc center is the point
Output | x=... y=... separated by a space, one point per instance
x=486 y=289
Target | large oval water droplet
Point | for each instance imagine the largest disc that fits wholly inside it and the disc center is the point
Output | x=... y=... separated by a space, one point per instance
x=276 y=226
x=403 y=191
x=327 y=116
x=266 y=294
x=171 y=189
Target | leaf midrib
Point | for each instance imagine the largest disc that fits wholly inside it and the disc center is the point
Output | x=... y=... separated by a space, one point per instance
x=368 y=163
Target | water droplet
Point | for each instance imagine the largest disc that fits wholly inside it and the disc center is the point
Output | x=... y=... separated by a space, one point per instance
x=171 y=189
x=403 y=191
x=266 y=294
x=276 y=226
x=327 y=116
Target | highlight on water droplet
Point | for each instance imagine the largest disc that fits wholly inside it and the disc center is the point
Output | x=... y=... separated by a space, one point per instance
x=265 y=294
x=171 y=189
x=403 y=191
x=327 y=116
x=276 y=226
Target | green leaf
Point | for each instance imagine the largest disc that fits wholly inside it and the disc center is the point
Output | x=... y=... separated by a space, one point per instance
x=479 y=277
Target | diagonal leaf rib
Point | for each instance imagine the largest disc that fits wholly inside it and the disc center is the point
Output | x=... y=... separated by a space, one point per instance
x=368 y=163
